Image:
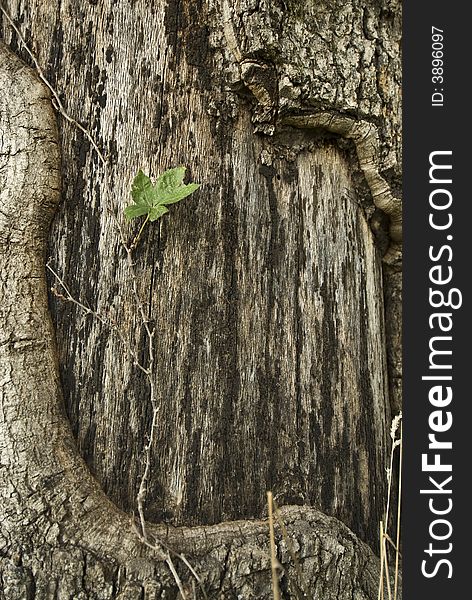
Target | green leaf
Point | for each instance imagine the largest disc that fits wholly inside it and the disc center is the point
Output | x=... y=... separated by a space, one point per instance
x=142 y=190
x=170 y=179
x=135 y=210
x=157 y=212
x=151 y=199
x=170 y=187
x=171 y=196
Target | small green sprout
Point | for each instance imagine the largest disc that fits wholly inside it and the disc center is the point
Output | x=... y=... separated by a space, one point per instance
x=152 y=199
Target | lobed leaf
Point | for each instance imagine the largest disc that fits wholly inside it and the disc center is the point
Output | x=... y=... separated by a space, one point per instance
x=171 y=196
x=151 y=199
x=135 y=210
x=142 y=190
x=170 y=179
x=157 y=212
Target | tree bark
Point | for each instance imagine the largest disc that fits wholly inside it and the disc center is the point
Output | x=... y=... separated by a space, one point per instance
x=265 y=289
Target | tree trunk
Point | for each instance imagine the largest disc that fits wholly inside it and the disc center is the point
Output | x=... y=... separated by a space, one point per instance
x=275 y=365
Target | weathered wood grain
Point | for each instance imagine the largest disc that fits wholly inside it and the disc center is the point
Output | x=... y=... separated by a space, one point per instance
x=265 y=287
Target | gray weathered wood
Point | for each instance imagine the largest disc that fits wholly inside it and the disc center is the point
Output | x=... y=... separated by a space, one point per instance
x=265 y=287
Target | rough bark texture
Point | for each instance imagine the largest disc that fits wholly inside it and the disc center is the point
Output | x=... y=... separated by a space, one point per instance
x=265 y=288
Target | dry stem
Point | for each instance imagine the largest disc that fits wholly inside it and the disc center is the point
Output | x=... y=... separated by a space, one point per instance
x=56 y=100
x=291 y=550
x=384 y=536
x=397 y=552
x=147 y=369
x=273 y=555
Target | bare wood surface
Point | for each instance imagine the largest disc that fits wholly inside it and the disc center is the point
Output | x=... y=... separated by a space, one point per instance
x=266 y=288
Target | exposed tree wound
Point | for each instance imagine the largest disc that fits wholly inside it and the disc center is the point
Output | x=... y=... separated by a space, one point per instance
x=61 y=537
x=264 y=81
x=269 y=276
x=366 y=139
x=265 y=288
x=333 y=67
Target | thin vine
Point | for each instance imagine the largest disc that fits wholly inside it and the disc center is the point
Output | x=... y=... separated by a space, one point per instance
x=150 y=200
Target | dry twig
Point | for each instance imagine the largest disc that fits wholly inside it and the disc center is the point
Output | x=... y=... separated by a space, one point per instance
x=56 y=100
x=273 y=555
